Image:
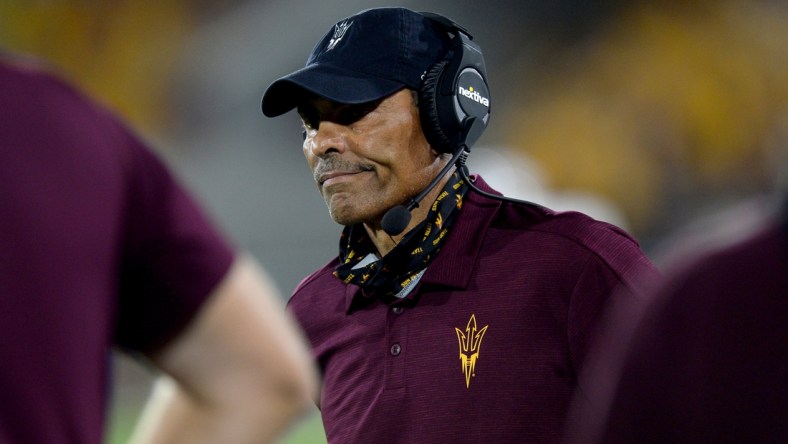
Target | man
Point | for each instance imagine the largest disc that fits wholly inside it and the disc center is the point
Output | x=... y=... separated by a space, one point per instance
x=102 y=247
x=469 y=321
x=707 y=361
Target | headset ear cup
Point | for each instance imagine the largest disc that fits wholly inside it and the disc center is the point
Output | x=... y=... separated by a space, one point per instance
x=428 y=109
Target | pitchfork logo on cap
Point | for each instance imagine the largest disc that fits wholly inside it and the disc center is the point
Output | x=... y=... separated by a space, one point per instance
x=339 y=31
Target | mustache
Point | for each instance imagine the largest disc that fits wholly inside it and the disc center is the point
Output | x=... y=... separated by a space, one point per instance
x=334 y=164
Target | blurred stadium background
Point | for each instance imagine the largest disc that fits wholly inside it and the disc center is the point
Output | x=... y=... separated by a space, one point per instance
x=667 y=118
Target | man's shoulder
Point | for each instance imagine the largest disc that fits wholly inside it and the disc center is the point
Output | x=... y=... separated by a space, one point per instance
x=571 y=235
x=582 y=228
x=566 y=227
x=572 y=226
x=562 y=235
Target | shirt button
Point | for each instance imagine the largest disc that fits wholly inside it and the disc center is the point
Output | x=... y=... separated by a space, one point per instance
x=397 y=310
x=396 y=350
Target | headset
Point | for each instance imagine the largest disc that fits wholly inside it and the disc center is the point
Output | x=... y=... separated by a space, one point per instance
x=454 y=108
x=454 y=92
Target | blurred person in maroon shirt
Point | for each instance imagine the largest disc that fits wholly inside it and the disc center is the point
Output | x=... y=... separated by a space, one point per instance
x=101 y=247
x=705 y=360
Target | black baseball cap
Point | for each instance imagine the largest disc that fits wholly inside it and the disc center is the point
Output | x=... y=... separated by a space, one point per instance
x=362 y=58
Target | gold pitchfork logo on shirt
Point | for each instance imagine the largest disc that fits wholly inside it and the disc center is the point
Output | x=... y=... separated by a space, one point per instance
x=470 y=343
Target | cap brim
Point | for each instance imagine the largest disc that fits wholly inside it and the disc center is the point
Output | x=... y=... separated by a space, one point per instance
x=328 y=82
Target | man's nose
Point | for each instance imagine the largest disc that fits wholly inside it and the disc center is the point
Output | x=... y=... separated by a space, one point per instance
x=328 y=138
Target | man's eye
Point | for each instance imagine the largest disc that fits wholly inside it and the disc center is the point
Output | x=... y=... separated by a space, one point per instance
x=354 y=113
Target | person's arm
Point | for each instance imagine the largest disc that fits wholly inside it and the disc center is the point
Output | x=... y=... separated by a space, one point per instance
x=240 y=372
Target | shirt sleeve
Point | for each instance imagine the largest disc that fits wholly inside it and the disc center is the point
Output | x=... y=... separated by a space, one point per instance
x=616 y=269
x=591 y=293
x=172 y=255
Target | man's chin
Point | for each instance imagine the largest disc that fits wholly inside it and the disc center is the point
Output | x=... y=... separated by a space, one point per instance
x=347 y=217
x=342 y=215
x=346 y=220
x=346 y=209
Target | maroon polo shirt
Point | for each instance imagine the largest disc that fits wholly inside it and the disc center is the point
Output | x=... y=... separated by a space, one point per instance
x=99 y=246
x=708 y=360
x=488 y=345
